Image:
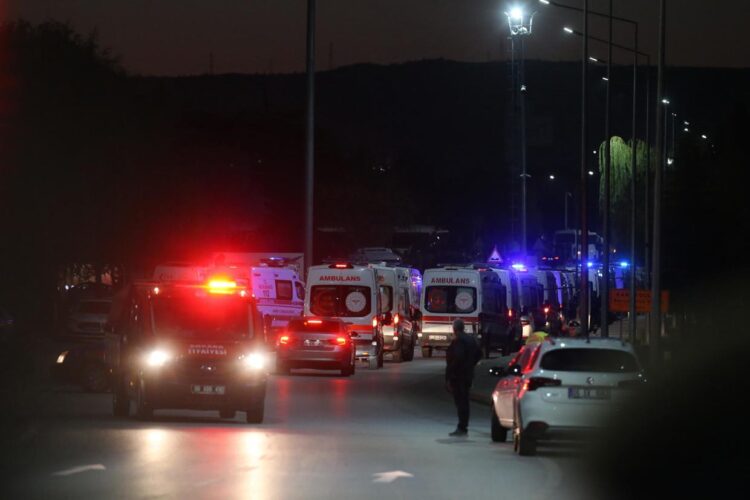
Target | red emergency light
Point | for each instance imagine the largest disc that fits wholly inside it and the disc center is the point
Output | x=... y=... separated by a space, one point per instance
x=341 y=265
x=221 y=286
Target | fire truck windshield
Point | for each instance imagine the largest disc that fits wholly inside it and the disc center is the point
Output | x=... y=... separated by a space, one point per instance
x=215 y=317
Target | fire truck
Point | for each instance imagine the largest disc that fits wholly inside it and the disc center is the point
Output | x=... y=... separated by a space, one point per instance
x=187 y=344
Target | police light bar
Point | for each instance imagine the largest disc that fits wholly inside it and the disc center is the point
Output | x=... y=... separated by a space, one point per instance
x=519 y=267
x=624 y=263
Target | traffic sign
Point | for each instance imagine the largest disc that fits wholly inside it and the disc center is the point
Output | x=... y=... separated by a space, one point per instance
x=619 y=300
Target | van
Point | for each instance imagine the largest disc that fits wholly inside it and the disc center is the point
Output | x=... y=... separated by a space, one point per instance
x=397 y=293
x=474 y=295
x=351 y=293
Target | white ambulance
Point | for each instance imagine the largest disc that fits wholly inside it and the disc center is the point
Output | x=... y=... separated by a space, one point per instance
x=351 y=293
x=474 y=295
x=397 y=295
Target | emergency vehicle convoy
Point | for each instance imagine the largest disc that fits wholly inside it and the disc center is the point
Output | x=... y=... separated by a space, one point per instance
x=477 y=296
x=188 y=344
x=351 y=293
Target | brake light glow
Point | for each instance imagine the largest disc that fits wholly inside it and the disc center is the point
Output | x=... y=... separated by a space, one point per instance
x=284 y=339
x=374 y=322
x=510 y=313
x=546 y=310
x=314 y=322
x=156 y=290
x=341 y=340
x=396 y=319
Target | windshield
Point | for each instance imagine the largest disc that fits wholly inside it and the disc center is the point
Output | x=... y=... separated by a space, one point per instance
x=451 y=299
x=589 y=360
x=215 y=317
x=340 y=301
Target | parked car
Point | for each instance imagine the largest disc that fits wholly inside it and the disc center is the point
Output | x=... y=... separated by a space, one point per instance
x=316 y=343
x=88 y=317
x=86 y=365
x=564 y=388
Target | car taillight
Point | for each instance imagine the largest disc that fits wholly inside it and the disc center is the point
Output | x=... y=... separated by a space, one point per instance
x=374 y=322
x=341 y=340
x=395 y=320
x=510 y=313
x=535 y=383
x=546 y=310
x=284 y=339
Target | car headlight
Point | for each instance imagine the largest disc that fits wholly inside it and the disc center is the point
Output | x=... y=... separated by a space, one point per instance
x=158 y=358
x=61 y=357
x=254 y=361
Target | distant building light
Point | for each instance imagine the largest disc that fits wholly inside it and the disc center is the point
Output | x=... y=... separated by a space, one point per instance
x=551 y=177
x=670 y=161
x=686 y=123
x=687 y=129
x=568 y=30
x=665 y=101
x=703 y=136
x=591 y=172
x=605 y=78
x=593 y=59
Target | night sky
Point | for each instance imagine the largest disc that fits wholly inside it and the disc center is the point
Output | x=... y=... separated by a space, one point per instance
x=173 y=37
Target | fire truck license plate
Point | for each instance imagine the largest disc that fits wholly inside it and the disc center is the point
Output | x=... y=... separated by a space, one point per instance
x=209 y=389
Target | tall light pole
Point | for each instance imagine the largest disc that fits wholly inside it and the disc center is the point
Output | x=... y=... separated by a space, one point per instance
x=520 y=25
x=310 y=136
x=604 y=310
x=568 y=194
x=584 y=294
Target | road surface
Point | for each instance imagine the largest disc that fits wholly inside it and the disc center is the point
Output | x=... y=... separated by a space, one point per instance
x=379 y=434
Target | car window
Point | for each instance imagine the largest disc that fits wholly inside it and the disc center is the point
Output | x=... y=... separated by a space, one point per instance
x=589 y=360
x=451 y=299
x=283 y=290
x=300 y=290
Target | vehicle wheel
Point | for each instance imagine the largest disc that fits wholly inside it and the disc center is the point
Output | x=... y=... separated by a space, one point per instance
x=282 y=368
x=499 y=433
x=120 y=401
x=427 y=352
x=254 y=414
x=409 y=355
x=398 y=356
x=227 y=413
x=95 y=378
x=347 y=371
x=523 y=444
x=143 y=409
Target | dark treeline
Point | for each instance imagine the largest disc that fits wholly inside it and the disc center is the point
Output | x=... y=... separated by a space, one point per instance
x=105 y=167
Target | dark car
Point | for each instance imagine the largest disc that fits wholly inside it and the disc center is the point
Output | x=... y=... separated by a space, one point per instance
x=86 y=364
x=316 y=343
x=188 y=346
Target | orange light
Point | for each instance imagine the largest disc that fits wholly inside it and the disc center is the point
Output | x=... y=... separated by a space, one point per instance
x=314 y=322
x=396 y=319
x=510 y=313
x=284 y=339
x=546 y=310
x=341 y=340
x=341 y=266
x=374 y=322
x=221 y=286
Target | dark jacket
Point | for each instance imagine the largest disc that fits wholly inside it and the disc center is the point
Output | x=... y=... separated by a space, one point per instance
x=462 y=355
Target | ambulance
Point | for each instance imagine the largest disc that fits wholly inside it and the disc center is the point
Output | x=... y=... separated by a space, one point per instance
x=476 y=296
x=351 y=293
x=398 y=293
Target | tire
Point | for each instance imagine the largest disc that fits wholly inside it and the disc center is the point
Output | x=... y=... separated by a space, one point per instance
x=499 y=433
x=398 y=356
x=409 y=355
x=427 y=352
x=523 y=444
x=95 y=378
x=254 y=414
x=227 y=413
x=282 y=368
x=120 y=401
x=143 y=408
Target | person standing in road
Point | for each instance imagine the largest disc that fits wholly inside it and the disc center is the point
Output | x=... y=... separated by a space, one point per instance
x=462 y=355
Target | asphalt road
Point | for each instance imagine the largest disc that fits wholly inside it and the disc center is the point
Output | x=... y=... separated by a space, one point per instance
x=379 y=434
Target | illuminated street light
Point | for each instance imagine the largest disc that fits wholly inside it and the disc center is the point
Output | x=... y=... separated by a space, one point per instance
x=665 y=101
x=591 y=172
x=545 y=2
x=593 y=59
x=670 y=161
x=568 y=30
x=551 y=177
x=686 y=123
x=687 y=129
x=605 y=78
x=516 y=14
x=519 y=20
x=703 y=136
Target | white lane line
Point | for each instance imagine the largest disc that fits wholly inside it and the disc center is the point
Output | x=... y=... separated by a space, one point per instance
x=389 y=477
x=79 y=469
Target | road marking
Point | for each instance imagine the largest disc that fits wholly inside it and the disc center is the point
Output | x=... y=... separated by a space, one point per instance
x=81 y=468
x=389 y=477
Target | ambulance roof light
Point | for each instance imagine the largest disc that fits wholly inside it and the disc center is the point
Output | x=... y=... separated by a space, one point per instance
x=520 y=267
x=624 y=263
x=221 y=285
x=341 y=265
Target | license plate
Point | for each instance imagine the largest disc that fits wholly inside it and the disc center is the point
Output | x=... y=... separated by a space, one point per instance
x=438 y=337
x=217 y=390
x=588 y=393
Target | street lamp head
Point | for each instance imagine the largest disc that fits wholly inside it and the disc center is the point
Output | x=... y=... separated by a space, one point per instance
x=591 y=172
x=686 y=123
x=551 y=177
x=687 y=129
x=605 y=78
x=568 y=30
x=703 y=136
x=519 y=20
x=545 y=2
x=593 y=59
x=665 y=101
x=670 y=161
x=516 y=14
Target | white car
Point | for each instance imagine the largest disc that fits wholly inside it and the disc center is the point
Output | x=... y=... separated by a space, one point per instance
x=562 y=388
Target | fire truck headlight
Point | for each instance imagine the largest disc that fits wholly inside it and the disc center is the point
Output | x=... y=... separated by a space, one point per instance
x=254 y=361
x=158 y=358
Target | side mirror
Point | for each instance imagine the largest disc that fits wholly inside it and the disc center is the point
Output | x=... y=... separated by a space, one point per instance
x=387 y=318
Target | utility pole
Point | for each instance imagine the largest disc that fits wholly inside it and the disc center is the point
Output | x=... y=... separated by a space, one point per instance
x=524 y=174
x=655 y=323
x=310 y=136
x=604 y=310
x=633 y=166
x=584 y=294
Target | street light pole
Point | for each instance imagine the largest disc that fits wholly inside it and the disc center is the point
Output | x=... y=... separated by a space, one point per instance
x=568 y=194
x=584 y=294
x=310 y=136
x=633 y=166
x=604 y=310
